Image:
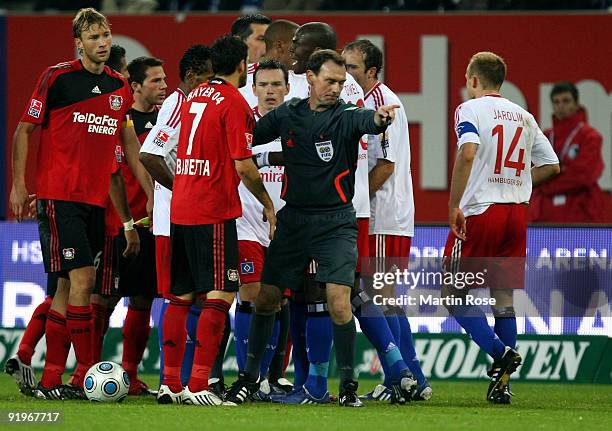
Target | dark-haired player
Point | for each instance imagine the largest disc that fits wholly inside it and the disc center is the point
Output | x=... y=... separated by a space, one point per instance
x=158 y=154
x=213 y=155
x=117 y=61
x=134 y=277
x=81 y=106
x=270 y=85
x=250 y=29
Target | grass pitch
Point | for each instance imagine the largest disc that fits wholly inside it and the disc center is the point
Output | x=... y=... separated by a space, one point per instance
x=455 y=405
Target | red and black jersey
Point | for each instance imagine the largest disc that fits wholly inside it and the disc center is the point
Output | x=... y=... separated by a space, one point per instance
x=81 y=115
x=137 y=198
x=216 y=129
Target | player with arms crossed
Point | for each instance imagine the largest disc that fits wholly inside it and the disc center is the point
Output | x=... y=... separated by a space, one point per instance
x=498 y=142
x=80 y=106
x=213 y=155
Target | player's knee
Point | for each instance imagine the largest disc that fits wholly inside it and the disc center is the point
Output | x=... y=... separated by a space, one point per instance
x=140 y=302
x=249 y=291
x=340 y=310
x=268 y=300
x=82 y=280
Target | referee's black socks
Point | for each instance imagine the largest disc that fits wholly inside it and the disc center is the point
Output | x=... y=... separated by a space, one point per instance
x=260 y=332
x=344 y=342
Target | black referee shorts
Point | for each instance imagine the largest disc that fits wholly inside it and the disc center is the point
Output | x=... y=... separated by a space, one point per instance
x=124 y=277
x=329 y=238
x=71 y=234
x=204 y=258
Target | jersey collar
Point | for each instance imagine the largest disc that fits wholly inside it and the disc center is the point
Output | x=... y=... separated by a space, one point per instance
x=494 y=94
x=369 y=93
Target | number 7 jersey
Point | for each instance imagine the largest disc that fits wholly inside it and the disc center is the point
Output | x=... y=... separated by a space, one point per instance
x=509 y=141
x=216 y=129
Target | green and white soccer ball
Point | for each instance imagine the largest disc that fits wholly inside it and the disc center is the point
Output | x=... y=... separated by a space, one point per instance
x=106 y=382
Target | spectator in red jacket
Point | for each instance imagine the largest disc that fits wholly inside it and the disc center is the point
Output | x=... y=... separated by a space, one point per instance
x=573 y=196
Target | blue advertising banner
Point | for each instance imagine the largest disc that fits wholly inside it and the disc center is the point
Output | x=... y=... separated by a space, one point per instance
x=565 y=266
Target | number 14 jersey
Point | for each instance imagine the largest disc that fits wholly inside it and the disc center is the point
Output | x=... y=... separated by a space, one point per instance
x=509 y=141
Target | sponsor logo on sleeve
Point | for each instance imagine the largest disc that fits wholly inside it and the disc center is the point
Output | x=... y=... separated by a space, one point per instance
x=115 y=102
x=161 y=139
x=249 y=140
x=35 y=108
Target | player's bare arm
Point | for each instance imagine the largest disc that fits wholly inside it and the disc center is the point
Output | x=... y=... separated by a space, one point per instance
x=379 y=175
x=158 y=169
x=131 y=147
x=19 y=192
x=385 y=115
x=540 y=174
x=461 y=174
x=119 y=198
x=249 y=175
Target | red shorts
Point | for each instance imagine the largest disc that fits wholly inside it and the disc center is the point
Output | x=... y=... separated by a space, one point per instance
x=251 y=256
x=389 y=245
x=363 y=244
x=498 y=237
x=391 y=252
x=163 y=259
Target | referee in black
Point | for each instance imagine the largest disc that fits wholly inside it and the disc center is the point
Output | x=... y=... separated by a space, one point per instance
x=320 y=138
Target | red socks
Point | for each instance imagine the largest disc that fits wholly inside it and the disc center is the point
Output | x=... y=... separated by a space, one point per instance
x=209 y=336
x=98 y=317
x=135 y=336
x=34 y=331
x=78 y=322
x=175 y=335
x=58 y=346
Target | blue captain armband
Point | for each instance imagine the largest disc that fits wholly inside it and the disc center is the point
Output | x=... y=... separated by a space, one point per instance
x=466 y=127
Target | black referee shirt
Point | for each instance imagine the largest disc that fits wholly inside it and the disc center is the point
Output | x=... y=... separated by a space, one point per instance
x=320 y=151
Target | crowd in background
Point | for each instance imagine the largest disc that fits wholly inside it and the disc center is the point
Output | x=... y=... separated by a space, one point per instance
x=145 y=6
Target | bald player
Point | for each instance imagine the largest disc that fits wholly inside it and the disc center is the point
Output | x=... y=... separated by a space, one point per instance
x=278 y=39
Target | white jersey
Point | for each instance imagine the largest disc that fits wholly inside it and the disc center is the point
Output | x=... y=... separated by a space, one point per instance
x=392 y=207
x=247 y=90
x=162 y=141
x=351 y=93
x=509 y=141
x=251 y=227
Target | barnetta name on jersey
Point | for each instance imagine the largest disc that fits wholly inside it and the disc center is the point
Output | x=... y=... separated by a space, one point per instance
x=80 y=114
x=217 y=127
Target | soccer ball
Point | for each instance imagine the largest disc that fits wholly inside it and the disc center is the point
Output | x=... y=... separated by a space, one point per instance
x=106 y=382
